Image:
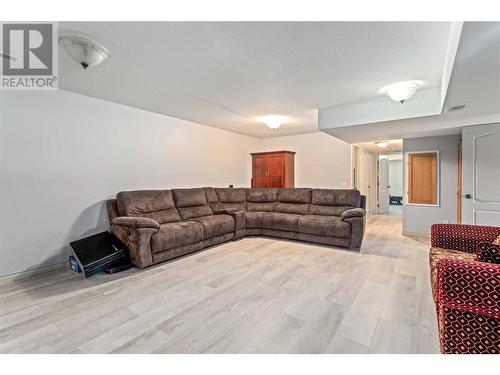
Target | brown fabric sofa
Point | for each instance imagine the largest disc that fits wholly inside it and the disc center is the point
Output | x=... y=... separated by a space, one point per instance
x=157 y=225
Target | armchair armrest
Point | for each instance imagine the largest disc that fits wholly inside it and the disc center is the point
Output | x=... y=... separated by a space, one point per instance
x=488 y=252
x=462 y=237
x=135 y=222
x=469 y=286
x=354 y=212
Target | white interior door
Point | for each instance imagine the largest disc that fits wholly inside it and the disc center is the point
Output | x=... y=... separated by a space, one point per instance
x=481 y=175
x=383 y=186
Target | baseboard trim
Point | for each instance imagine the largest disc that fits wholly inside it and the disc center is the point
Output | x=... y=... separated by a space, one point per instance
x=33 y=272
x=416 y=234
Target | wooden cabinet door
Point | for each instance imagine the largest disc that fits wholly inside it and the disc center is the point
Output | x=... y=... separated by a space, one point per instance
x=276 y=166
x=422 y=178
x=260 y=166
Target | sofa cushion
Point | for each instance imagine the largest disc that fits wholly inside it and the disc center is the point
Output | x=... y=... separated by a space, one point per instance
x=154 y=204
x=189 y=197
x=215 y=225
x=253 y=219
x=191 y=203
x=260 y=207
x=172 y=235
x=280 y=221
x=328 y=210
x=336 y=197
x=188 y=213
x=295 y=195
x=292 y=208
x=210 y=194
x=232 y=198
x=262 y=195
x=320 y=225
x=231 y=195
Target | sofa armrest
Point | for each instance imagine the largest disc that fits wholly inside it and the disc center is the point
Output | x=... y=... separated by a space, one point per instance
x=356 y=218
x=469 y=286
x=354 y=212
x=462 y=237
x=135 y=233
x=135 y=222
x=488 y=252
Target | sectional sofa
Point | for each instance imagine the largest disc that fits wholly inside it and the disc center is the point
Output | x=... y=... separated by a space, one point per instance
x=157 y=225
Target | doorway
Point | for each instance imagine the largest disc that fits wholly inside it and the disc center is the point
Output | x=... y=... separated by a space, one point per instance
x=390 y=183
x=378 y=174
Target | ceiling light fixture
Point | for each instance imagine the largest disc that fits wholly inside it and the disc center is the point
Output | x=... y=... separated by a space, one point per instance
x=84 y=51
x=401 y=91
x=273 y=121
x=382 y=144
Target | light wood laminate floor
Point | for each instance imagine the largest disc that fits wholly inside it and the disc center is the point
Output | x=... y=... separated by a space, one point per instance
x=256 y=295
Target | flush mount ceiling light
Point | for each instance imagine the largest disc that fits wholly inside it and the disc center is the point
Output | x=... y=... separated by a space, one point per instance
x=402 y=91
x=382 y=144
x=84 y=51
x=273 y=121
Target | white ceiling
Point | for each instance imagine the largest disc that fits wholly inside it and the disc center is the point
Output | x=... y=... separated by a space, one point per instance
x=475 y=81
x=227 y=74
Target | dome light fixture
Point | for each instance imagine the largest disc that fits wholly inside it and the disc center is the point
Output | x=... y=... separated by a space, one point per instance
x=382 y=144
x=273 y=121
x=402 y=91
x=84 y=51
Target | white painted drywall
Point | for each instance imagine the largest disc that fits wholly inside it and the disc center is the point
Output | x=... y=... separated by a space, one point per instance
x=62 y=154
x=321 y=161
x=396 y=177
x=418 y=219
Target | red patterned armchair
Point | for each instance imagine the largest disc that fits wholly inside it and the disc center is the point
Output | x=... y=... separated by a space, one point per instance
x=465 y=279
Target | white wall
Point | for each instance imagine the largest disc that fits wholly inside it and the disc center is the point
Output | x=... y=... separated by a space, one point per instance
x=62 y=154
x=418 y=219
x=321 y=161
x=396 y=177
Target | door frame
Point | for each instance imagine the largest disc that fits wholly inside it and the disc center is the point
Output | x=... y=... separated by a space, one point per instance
x=459 y=188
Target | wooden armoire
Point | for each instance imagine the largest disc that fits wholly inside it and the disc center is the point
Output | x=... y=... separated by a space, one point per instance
x=274 y=169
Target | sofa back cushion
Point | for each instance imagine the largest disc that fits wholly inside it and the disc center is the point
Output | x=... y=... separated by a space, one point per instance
x=154 y=204
x=333 y=201
x=294 y=201
x=261 y=199
x=233 y=198
x=210 y=195
x=191 y=203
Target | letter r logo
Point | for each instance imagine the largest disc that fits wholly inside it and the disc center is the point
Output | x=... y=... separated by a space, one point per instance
x=31 y=46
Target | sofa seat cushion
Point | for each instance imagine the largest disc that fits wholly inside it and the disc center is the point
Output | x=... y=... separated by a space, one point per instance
x=173 y=235
x=280 y=221
x=215 y=225
x=331 y=226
